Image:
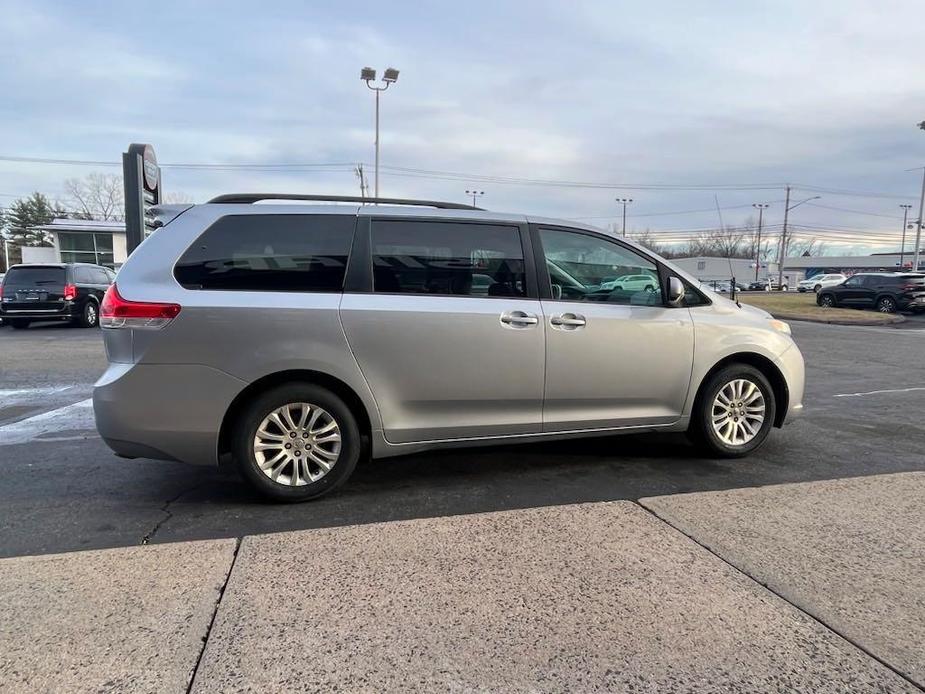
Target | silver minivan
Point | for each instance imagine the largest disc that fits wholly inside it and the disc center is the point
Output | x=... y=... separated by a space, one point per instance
x=287 y=336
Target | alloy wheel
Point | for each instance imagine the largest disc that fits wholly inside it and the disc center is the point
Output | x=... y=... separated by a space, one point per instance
x=886 y=305
x=297 y=444
x=738 y=412
x=91 y=314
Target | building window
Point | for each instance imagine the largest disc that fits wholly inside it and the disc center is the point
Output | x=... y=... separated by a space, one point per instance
x=82 y=247
x=701 y=264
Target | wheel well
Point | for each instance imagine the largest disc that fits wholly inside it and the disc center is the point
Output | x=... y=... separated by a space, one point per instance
x=766 y=367
x=335 y=385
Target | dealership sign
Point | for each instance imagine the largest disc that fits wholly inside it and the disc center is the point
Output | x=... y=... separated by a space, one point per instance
x=141 y=177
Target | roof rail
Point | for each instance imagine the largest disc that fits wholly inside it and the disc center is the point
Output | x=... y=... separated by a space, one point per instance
x=256 y=197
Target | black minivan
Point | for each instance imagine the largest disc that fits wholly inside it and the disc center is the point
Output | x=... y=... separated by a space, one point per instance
x=54 y=292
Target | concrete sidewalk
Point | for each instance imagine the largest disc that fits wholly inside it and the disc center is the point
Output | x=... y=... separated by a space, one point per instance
x=592 y=597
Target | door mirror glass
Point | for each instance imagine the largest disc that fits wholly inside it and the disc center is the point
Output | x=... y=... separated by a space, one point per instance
x=675 y=291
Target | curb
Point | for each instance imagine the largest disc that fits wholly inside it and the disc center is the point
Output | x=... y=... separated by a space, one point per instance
x=892 y=320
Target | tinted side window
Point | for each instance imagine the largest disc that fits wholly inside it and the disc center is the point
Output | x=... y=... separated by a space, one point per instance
x=447 y=258
x=100 y=276
x=283 y=253
x=81 y=275
x=583 y=267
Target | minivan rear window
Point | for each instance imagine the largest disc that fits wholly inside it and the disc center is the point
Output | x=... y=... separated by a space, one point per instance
x=283 y=253
x=35 y=276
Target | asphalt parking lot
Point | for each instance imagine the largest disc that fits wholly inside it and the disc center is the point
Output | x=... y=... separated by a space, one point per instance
x=62 y=490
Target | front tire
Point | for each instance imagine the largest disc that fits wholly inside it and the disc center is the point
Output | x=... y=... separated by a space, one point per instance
x=734 y=412
x=826 y=301
x=296 y=442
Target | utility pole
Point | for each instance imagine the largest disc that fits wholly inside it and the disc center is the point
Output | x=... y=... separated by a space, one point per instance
x=902 y=249
x=782 y=251
x=364 y=186
x=761 y=207
x=783 y=242
x=624 y=202
x=918 y=230
x=474 y=194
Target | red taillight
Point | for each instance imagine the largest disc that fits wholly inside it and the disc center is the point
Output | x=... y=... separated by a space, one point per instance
x=70 y=292
x=117 y=312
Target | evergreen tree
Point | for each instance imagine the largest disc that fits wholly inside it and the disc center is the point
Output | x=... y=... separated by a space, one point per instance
x=25 y=214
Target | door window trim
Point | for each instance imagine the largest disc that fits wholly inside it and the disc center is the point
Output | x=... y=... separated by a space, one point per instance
x=360 y=265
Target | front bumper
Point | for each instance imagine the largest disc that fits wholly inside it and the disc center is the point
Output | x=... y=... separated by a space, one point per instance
x=793 y=368
x=163 y=411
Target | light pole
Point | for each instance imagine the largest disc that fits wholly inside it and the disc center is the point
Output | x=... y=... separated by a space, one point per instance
x=918 y=231
x=761 y=207
x=902 y=249
x=367 y=74
x=624 y=202
x=474 y=194
x=782 y=251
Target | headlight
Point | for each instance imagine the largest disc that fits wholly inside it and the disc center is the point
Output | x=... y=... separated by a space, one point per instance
x=780 y=326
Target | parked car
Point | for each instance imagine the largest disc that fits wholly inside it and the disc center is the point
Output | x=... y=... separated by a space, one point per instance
x=289 y=340
x=721 y=286
x=817 y=282
x=53 y=292
x=887 y=292
x=758 y=286
x=632 y=283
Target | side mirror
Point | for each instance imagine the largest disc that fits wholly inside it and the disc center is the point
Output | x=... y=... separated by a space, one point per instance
x=675 y=291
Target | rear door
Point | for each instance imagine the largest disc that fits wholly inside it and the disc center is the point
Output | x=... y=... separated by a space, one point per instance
x=34 y=288
x=447 y=328
x=614 y=357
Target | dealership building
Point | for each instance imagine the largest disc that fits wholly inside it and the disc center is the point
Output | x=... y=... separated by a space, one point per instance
x=707 y=268
x=81 y=241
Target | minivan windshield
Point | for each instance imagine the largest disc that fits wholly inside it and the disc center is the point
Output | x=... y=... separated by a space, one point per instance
x=35 y=276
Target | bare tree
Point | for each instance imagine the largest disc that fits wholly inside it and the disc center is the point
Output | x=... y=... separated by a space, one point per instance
x=97 y=196
x=805 y=246
x=647 y=240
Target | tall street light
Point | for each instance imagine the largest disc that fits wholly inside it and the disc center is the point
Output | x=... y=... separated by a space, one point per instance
x=624 y=202
x=902 y=249
x=761 y=207
x=782 y=251
x=367 y=74
x=474 y=194
x=918 y=231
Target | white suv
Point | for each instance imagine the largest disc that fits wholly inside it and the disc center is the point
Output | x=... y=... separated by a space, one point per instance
x=817 y=282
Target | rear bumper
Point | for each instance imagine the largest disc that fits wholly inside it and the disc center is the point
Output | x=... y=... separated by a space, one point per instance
x=163 y=411
x=30 y=314
x=792 y=367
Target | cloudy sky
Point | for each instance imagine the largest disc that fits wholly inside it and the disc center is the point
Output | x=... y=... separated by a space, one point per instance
x=676 y=104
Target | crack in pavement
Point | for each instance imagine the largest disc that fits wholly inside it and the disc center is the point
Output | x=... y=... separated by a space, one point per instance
x=168 y=514
x=800 y=608
x=218 y=602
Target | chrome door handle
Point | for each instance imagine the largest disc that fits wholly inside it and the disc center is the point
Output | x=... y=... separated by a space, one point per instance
x=568 y=321
x=518 y=319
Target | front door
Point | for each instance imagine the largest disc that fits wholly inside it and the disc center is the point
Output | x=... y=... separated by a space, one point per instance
x=615 y=354
x=854 y=292
x=449 y=340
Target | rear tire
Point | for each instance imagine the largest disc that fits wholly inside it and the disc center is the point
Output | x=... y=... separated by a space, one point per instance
x=817 y=288
x=89 y=317
x=299 y=474
x=733 y=430
x=19 y=323
x=886 y=304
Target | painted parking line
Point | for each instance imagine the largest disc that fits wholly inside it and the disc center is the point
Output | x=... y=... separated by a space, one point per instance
x=14 y=395
x=879 y=392
x=75 y=417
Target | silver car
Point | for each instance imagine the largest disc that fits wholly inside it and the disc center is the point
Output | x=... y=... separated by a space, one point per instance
x=288 y=340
